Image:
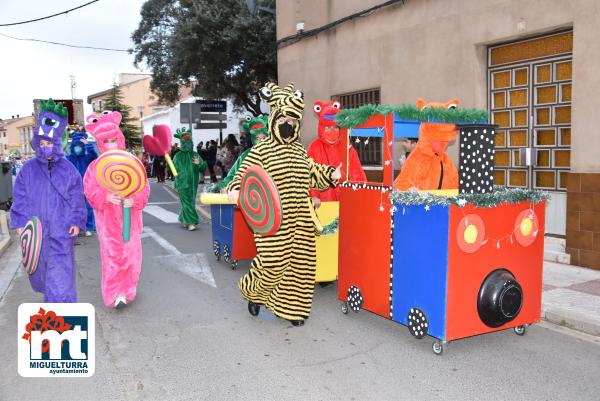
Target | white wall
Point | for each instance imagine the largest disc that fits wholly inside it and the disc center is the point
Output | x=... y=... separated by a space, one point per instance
x=170 y=117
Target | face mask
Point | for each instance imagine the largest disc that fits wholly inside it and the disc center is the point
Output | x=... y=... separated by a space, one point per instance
x=331 y=136
x=286 y=130
x=46 y=151
x=111 y=145
x=78 y=150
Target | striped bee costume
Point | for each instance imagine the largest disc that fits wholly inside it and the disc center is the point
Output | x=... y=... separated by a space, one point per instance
x=282 y=275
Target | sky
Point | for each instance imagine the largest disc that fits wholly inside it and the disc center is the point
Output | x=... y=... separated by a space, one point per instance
x=30 y=70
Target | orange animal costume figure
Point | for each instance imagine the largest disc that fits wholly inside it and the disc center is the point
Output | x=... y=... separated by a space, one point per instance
x=429 y=166
x=326 y=149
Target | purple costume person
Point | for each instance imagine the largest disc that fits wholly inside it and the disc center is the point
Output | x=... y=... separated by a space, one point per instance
x=50 y=187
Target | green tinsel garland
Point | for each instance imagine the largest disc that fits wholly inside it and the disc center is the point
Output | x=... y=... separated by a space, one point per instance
x=331 y=228
x=350 y=118
x=211 y=188
x=498 y=196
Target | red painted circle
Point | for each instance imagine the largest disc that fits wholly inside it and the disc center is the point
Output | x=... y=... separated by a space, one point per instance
x=528 y=238
x=470 y=221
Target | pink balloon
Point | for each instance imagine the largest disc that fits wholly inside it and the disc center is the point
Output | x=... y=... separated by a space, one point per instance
x=159 y=143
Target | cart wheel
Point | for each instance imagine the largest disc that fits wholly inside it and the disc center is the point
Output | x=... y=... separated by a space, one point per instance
x=234 y=264
x=417 y=323
x=355 y=298
x=253 y=308
x=520 y=330
x=438 y=347
x=217 y=250
x=344 y=306
x=226 y=254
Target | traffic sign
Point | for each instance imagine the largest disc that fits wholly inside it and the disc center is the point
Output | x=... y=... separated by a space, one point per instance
x=211 y=126
x=212 y=106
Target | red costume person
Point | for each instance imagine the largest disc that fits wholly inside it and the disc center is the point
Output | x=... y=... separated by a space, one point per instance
x=326 y=149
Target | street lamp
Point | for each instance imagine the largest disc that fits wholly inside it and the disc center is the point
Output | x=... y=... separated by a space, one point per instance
x=253 y=7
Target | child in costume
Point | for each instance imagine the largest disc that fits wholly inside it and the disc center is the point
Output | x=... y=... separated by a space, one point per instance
x=49 y=187
x=327 y=149
x=188 y=164
x=282 y=275
x=429 y=166
x=121 y=261
x=82 y=155
x=257 y=127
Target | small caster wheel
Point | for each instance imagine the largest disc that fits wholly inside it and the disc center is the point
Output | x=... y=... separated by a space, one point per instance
x=520 y=330
x=253 y=308
x=234 y=264
x=438 y=347
x=226 y=254
x=217 y=250
x=355 y=298
x=344 y=306
x=325 y=284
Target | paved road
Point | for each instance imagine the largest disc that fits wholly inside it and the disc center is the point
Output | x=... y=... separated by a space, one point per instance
x=188 y=336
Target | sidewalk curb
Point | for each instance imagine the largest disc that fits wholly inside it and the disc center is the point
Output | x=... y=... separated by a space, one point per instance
x=5 y=237
x=5 y=243
x=570 y=319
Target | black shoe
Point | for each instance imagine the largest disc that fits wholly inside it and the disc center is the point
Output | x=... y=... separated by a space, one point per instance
x=253 y=308
x=297 y=323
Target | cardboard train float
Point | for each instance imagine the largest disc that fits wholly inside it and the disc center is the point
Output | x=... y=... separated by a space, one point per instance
x=449 y=264
x=445 y=265
x=233 y=240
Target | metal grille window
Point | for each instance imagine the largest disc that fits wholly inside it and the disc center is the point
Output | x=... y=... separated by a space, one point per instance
x=529 y=88
x=370 y=154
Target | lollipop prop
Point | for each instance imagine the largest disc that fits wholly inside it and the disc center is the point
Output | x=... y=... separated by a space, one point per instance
x=124 y=174
x=259 y=201
x=159 y=144
x=31 y=244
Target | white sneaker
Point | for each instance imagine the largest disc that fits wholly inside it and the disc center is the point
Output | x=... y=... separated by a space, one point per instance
x=191 y=227
x=120 y=301
x=88 y=233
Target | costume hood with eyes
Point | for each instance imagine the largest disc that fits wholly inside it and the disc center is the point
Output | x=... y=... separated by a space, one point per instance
x=81 y=161
x=51 y=190
x=186 y=182
x=51 y=123
x=327 y=149
x=121 y=261
x=282 y=275
x=429 y=167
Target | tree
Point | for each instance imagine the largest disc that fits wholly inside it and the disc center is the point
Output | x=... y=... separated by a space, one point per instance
x=114 y=102
x=217 y=45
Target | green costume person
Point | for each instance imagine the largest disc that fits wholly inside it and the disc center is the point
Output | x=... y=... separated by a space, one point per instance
x=188 y=164
x=257 y=127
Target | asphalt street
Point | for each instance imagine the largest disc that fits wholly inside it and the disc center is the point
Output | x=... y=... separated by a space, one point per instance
x=189 y=336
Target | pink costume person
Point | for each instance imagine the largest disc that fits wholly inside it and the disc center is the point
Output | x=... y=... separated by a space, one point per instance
x=121 y=261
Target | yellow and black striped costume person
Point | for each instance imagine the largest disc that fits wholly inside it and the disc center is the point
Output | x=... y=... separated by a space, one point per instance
x=282 y=275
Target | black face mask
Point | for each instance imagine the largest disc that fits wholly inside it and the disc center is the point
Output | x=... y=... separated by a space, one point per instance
x=286 y=130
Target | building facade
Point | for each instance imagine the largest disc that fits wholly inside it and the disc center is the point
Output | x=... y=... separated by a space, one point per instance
x=136 y=92
x=531 y=64
x=11 y=135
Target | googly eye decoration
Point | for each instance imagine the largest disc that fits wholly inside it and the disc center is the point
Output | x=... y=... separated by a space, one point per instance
x=470 y=233
x=526 y=228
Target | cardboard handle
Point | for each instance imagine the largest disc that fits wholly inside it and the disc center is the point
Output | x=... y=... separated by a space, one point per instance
x=171 y=165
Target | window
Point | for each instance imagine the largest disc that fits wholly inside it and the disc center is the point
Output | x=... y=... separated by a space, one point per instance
x=370 y=154
x=529 y=89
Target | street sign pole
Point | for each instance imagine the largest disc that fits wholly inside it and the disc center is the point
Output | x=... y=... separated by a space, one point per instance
x=190 y=106
x=220 y=132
